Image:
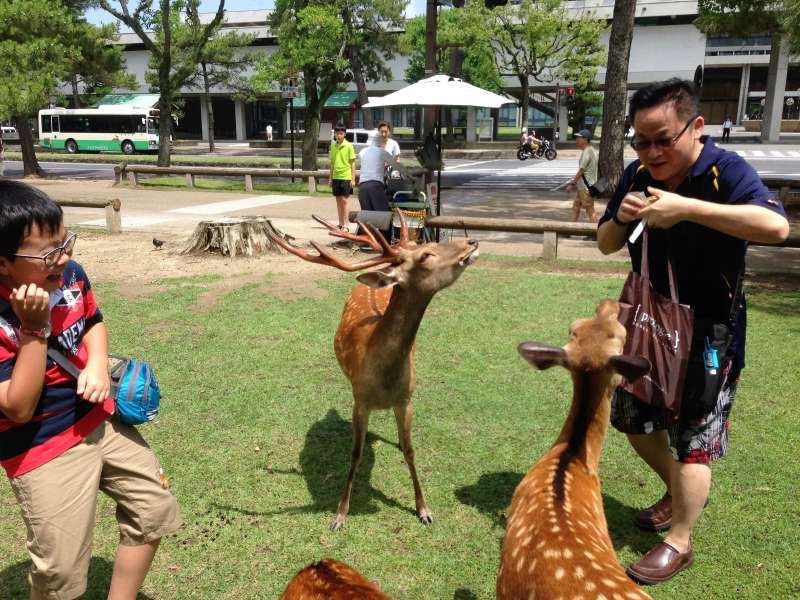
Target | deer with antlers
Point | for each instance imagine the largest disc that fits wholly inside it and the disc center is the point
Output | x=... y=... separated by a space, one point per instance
x=557 y=543
x=375 y=341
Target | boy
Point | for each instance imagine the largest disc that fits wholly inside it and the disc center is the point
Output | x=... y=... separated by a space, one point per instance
x=342 y=173
x=59 y=440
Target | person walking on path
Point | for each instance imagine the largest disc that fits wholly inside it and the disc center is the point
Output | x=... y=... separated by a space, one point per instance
x=269 y=132
x=708 y=203
x=584 y=177
x=342 y=173
x=726 y=129
x=374 y=160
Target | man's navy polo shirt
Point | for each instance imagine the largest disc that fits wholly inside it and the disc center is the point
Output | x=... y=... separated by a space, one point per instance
x=708 y=263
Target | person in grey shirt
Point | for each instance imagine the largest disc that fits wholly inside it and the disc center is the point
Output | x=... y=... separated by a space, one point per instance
x=373 y=159
x=584 y=177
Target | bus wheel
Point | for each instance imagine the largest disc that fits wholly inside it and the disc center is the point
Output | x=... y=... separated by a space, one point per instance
x=128 y=148
x=71 y=147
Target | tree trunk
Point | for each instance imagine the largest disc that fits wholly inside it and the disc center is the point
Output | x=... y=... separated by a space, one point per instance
x=210 y=107
x=312 y=120
x=235 y=236
x=76 y=99
x=612 y=143
x=164 y=131
x=526 y=100
x=30 y=165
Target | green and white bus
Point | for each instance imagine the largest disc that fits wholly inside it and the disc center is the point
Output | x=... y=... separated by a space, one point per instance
x=107 y=128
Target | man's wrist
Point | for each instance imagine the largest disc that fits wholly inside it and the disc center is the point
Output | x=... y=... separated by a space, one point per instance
x=617 y=220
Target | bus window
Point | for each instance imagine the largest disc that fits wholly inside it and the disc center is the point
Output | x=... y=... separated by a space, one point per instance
x=45 y=124
x=152 y=126
x=56 y=124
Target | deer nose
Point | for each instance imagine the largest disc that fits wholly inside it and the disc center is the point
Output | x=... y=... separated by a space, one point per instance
x=473 y=243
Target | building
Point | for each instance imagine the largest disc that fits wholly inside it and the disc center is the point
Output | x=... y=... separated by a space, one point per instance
x=665 y=44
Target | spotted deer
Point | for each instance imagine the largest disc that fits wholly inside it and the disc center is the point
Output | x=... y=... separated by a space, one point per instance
x=375 y=341
x=557 y=543
x=330 y=579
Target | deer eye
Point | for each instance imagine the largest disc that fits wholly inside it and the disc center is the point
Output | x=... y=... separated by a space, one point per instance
x=425 y=256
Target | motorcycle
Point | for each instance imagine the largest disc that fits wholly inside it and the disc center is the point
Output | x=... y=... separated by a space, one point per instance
x=524 y=152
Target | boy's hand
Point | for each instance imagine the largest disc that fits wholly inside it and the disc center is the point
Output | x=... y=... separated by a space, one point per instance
x=31 y=304
x=93 y=383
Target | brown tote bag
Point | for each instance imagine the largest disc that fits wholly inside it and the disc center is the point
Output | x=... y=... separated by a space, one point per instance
x=660 y=329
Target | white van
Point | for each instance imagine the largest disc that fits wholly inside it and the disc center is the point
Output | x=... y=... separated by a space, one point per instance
x=9 y=133
x=360 y=138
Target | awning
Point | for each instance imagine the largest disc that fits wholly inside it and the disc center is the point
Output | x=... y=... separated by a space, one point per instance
x=128 y=100
x=337 y=100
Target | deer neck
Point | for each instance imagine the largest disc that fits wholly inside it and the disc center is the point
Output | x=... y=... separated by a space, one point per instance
x=395 y=334
x=586 y=425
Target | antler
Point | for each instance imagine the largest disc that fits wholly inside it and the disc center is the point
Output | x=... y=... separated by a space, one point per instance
x=366 y=238
x=389 y=254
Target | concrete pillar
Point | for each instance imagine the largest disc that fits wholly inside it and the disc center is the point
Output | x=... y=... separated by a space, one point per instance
x=387 y=115
x=744 y=87
x=776 y=88
x=563 y=122
x=472 y=129
x=203 y=120
x=238 y=114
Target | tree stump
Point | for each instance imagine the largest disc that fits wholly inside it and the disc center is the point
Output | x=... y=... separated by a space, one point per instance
x=235 y=236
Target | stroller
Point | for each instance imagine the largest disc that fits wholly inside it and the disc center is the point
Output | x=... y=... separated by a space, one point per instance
x=403 y=194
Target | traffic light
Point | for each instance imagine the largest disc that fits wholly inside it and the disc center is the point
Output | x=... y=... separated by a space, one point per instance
x=493 y=3
x=570 y=92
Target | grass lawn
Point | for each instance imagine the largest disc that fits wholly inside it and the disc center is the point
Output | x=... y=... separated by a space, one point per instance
x=300 y=187
x=255 y=435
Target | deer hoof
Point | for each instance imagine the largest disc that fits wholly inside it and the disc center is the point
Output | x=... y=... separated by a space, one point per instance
x=337 y=523
x=425 y=517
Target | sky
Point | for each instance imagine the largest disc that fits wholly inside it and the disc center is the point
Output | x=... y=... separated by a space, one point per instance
x=415 y=7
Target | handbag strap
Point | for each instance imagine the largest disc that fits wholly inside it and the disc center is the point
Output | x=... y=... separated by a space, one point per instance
x=62 y=361
x=644 y=268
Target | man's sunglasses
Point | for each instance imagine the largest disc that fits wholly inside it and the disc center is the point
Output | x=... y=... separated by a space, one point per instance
x=51 y=258
x=664 y=143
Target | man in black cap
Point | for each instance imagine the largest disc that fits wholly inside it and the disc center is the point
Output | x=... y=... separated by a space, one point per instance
x=586 y=176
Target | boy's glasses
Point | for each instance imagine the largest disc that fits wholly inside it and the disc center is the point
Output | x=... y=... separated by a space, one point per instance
x=51 y=258
x=663 y=143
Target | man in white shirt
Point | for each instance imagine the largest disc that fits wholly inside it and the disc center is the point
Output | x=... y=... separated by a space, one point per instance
x=269 y=132
x=373 y=159
x=585 y=176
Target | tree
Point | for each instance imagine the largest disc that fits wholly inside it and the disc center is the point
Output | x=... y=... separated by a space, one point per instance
x=612 y=143
x=539 y=40
x=35 y=55
x=221 y=63
x=315 y=50
x=172 y=65
x=99 y=67
x=748 y=17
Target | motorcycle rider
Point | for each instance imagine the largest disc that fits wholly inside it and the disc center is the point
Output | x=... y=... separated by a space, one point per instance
x=530 y=142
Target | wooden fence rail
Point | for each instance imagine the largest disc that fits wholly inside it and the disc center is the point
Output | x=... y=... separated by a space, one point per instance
x=112 y=208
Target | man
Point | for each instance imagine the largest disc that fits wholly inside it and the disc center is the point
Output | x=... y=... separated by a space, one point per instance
x=374 y=159
x=708 y=203
x=342 y=173
x=269 y=132
x=726 y=129
x=585 y=176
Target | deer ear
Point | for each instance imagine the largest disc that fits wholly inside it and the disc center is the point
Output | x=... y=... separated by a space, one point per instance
x=630 y=367
x=379 y=279
x=542 y=356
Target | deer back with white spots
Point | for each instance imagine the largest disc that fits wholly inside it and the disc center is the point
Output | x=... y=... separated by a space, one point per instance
x=557 y=543
x=375 y=340
x=330 y=579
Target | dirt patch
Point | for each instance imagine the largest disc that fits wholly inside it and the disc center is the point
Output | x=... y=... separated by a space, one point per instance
x=134 y=266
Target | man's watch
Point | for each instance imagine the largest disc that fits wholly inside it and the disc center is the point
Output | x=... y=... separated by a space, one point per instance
x=616 y=220
x=43 y=332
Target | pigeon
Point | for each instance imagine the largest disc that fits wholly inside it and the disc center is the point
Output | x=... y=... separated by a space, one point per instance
x=158 y=243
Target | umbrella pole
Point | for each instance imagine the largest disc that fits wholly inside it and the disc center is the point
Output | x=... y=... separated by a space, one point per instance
x=439 y=172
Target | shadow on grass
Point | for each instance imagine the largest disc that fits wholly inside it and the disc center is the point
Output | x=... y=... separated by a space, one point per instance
x=491 y=495
x=624 y=534
x=13 y=581
x=325 y=463
x=465 y=594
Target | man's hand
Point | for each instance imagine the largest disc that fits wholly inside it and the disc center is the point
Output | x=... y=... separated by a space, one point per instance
x=570 y=187
x=94 y=384
x=666 y=209
x=631 y=206
x=31 y=304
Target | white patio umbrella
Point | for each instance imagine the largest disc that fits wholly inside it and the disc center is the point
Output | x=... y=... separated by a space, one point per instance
x=439 y=91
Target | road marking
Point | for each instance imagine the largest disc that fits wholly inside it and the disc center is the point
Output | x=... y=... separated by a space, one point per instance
x=741 y=153
x=758 y=153
x=480 y=162
x=794 y=153
x=776 y=153
x=217 y=208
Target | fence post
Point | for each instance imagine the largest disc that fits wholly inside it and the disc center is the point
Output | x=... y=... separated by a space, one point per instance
x=312 y=184
x=248 y=183
x=550 y=245
x=114 y=216
x=117 y=174
x=189 y=180
x=132 y=179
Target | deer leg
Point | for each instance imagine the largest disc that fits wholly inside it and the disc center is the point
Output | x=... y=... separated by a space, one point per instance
x=360 y=421
x=402 y=415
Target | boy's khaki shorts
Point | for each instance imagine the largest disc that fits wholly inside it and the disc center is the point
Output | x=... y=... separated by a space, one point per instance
x=59 y=501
